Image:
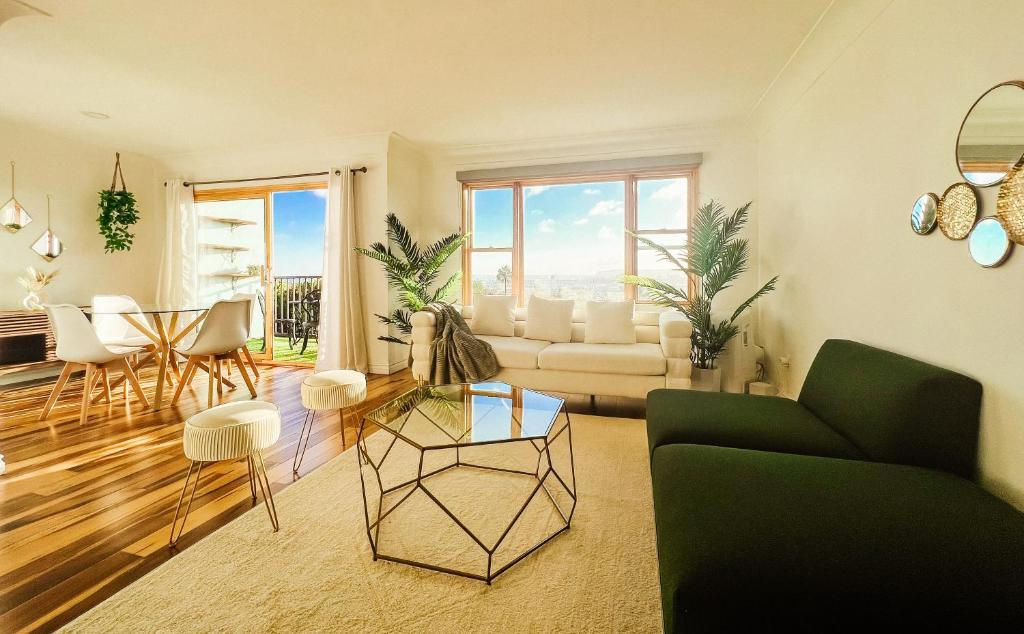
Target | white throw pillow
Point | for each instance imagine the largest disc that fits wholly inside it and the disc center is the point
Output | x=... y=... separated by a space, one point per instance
x=549 y=319
x=610 y=322
x=494 y=315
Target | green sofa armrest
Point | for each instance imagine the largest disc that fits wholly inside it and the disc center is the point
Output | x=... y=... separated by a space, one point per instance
x=739 y=420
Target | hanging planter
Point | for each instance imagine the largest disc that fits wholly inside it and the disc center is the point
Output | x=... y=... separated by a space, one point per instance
x=117 y=213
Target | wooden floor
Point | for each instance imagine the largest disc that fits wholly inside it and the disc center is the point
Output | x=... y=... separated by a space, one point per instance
x=86 y=510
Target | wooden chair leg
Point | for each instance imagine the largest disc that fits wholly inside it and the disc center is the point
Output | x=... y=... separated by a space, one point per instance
x=134 y=380
x=62 y=380
x=245 y=375
x=186 y=377
x=105 y=377
x=211 y=370
x=90 y=380
x=252 y=362
x=220 y=378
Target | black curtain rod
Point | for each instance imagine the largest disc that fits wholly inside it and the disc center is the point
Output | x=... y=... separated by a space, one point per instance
x=267 y=178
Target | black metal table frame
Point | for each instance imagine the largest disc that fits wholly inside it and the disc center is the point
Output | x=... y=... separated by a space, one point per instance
x=543 y=448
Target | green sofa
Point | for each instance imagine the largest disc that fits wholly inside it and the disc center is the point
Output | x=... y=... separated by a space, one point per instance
x=850 y=509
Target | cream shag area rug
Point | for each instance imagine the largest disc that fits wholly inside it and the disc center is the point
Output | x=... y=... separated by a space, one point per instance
x=317 y=574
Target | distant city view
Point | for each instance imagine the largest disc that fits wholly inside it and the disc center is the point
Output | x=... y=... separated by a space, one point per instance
x=601 y=285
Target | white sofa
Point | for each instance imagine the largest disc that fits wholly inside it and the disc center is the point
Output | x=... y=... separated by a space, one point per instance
x=660 y=358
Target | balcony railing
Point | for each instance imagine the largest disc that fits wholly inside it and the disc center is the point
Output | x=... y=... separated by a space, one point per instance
x=288 y=293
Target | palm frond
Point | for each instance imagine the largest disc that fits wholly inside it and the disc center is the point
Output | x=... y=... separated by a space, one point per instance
x=398 y=234
x=764 y=290
x=664 y=255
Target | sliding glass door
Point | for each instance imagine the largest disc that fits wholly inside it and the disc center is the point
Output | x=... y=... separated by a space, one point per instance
x=267 y=242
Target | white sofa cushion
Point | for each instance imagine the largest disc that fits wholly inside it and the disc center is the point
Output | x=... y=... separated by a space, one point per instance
x=549 y=319
x=515 y=352
x=494 y=315
x=644 y=359
x=610 y=322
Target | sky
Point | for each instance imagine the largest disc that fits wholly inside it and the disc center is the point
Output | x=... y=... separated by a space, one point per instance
x=573 y=229
x=299 y=232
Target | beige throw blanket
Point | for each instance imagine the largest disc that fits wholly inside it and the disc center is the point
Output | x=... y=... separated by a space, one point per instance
x=456 y=355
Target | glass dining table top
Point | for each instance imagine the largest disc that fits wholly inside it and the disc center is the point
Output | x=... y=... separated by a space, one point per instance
x=466 y=414
x=147 y=309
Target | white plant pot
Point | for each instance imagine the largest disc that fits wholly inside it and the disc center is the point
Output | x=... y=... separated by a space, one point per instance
x=706 y=380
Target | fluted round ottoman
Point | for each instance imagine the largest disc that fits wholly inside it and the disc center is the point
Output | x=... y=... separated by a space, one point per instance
x=326 y=391
x=229 y=432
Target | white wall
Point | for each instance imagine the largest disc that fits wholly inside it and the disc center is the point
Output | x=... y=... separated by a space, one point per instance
x=863 y=122
x=74 y=172
x=371 y=191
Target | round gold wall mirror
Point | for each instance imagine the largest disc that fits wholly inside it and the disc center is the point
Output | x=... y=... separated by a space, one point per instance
x=988 y=243
x=991 y=138
x=922 y=219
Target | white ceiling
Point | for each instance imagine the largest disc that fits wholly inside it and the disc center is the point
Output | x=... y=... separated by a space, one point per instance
x=191 y=75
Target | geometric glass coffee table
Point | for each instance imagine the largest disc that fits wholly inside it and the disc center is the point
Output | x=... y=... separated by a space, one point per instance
x=466 y=479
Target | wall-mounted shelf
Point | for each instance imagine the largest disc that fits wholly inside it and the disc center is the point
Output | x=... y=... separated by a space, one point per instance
x=235 y=275
x=234 y=222
x=223 y=247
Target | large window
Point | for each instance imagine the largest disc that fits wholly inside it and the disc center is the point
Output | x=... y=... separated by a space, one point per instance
x=570 y=237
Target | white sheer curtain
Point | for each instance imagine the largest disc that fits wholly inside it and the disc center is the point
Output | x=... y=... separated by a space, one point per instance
x=179 y=276
x=342 y=334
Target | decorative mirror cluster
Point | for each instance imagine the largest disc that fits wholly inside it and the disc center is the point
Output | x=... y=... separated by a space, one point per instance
x=989 y=151
x=14 y=218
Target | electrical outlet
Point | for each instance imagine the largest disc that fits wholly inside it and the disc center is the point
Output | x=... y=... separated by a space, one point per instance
x=784 y=362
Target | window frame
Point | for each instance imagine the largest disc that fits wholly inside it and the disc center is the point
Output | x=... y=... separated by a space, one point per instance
x=630 y=180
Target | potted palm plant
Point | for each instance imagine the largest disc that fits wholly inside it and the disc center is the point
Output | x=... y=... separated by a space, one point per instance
x=413 y=272
x=715 y=257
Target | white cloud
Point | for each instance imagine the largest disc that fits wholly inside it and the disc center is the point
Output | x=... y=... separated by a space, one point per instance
x=546 y=226
x=536 y=212
x=535 y=189
x=320 y=193
x=590 y=191
x=606 y=208
x=673 y=191
x=581 y=221
x=606 y=233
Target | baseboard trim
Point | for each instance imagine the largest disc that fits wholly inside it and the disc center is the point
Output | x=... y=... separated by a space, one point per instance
x=380 y=368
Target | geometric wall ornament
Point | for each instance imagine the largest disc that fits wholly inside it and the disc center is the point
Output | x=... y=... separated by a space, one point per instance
x=1010 y=204
x=48 y=245
x=957 y=211
x=12 y=215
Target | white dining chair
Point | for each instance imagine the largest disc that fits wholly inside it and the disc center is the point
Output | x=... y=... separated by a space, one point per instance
x=221 y=335
x=251 y=297
x=111 y=327
x=79 y=347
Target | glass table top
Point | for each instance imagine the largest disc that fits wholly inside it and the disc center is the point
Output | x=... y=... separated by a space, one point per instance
x=468 y=414
x=146 y=309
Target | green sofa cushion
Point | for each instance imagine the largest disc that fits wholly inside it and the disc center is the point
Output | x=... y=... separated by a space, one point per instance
x=761 y=541
x=746 y=422
x=894 y=408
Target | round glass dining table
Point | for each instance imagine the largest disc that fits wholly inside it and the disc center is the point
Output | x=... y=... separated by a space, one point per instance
x=164 y=332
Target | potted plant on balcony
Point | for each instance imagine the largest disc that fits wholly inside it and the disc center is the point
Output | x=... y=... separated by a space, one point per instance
x=413 y=272
x=714 y=258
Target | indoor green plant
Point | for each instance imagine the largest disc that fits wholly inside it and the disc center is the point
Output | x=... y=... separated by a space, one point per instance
x=117 y=213
x=413 y=272
x=715 y=258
